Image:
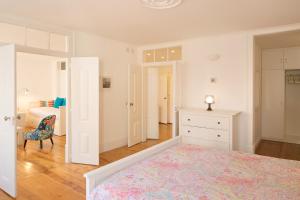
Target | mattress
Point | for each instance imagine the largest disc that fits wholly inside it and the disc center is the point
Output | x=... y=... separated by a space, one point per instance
x=192 y=172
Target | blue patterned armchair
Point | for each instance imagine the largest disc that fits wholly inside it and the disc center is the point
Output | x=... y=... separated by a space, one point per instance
x=44 y=131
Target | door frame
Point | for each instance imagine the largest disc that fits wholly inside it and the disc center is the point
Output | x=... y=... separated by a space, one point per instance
x=66 y=56
x=176 y=93
x=251 y=77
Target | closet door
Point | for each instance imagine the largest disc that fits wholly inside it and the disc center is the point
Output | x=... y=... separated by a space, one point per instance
x=272 y=59
x=273 y=104
x=292 y=58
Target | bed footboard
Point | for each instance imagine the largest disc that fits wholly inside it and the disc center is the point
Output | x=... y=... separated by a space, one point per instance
x=97 y=176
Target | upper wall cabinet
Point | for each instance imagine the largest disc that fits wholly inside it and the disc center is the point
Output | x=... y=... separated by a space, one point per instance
x=58 y=42
x=29 y=37
x=272 y=59
x=12 y=34
x=37 y=39
x=292 y=58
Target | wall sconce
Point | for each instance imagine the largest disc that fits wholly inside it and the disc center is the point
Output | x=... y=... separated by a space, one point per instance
x=209 y=99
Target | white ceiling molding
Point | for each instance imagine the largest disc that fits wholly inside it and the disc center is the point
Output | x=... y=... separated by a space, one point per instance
x=161 y=4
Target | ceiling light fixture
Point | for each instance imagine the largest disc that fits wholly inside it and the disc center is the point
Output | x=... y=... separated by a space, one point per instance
x=161 y=4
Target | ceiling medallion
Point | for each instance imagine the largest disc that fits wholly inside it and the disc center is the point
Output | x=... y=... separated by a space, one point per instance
x=161 y=4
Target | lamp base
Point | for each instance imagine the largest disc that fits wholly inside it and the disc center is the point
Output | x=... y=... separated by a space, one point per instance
x=209 y=107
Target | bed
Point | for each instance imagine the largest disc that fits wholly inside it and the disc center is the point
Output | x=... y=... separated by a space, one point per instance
x=187 y=171
x=36 y=114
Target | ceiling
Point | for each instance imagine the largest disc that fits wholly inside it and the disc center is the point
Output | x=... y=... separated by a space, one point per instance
x=129 y=21
x=279 y=40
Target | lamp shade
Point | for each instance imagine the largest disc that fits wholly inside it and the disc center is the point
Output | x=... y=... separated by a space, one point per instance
x=209 y=99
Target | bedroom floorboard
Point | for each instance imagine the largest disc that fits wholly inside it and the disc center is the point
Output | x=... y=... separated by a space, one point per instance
x=279 y=150
x=43 y=175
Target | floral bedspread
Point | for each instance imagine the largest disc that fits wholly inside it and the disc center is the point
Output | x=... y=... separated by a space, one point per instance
x=192 y=172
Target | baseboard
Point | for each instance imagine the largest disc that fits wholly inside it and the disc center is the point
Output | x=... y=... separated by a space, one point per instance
x=107 y=146
x=286 y=140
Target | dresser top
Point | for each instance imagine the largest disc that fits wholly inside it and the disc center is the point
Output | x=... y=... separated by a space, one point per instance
x=214 y=112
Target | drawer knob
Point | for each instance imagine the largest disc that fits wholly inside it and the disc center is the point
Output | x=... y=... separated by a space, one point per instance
x=189 y=131
x=219 y=122
x=189 y=119
x=219 y=135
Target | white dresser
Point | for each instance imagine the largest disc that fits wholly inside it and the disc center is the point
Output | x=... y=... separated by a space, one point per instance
x=216 y=129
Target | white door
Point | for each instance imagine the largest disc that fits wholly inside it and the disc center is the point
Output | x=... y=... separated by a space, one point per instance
x=273 y=104
x=84 y=105
x=134 y=105
x=7 y=120
x=170 y=99
x=177 y=93
x=153 y=103
x=163 y=98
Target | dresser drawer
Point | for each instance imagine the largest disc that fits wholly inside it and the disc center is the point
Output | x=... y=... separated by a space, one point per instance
x=220 y=123
x=204 y=133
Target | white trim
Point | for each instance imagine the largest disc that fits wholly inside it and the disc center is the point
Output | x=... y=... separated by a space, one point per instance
x=174 y=74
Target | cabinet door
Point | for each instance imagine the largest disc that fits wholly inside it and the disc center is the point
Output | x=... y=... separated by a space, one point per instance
x=37 y=39
x=272 y=59
x=58 y=42
x=292 y=58
x=12 y=34
x=273 y=104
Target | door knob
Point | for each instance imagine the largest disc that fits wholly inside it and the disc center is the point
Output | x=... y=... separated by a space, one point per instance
x=131 y=104
x=6 y=118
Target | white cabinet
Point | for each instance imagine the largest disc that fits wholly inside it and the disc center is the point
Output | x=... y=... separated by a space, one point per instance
x=292 y=58
x=273 y=83
x=37 y=39
x=215 y=129
x=58 y=42
x=12 y=34
x=272 y=59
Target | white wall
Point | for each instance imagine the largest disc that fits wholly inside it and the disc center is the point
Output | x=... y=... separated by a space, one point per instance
x=114 y=59
x=38 y=74
x=231 y=71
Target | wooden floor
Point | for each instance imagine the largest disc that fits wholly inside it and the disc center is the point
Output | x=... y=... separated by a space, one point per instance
x=43 y=175
x=279 y=150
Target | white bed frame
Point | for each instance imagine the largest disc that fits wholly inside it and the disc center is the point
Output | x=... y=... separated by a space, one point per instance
x=97 y=176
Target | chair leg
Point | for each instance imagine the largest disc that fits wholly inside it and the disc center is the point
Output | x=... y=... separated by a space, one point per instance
x=25 y=142
x=41 y=144
x=52 y=141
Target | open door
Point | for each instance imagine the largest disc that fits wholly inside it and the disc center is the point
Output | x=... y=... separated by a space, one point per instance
x=153 y=103
x=84 y=105
x=7 y=120
x=177 y=92
x=134 y=105
x=163 y=97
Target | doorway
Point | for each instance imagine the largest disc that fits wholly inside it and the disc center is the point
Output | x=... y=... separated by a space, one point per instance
x=276 y=95
x=158 y=102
